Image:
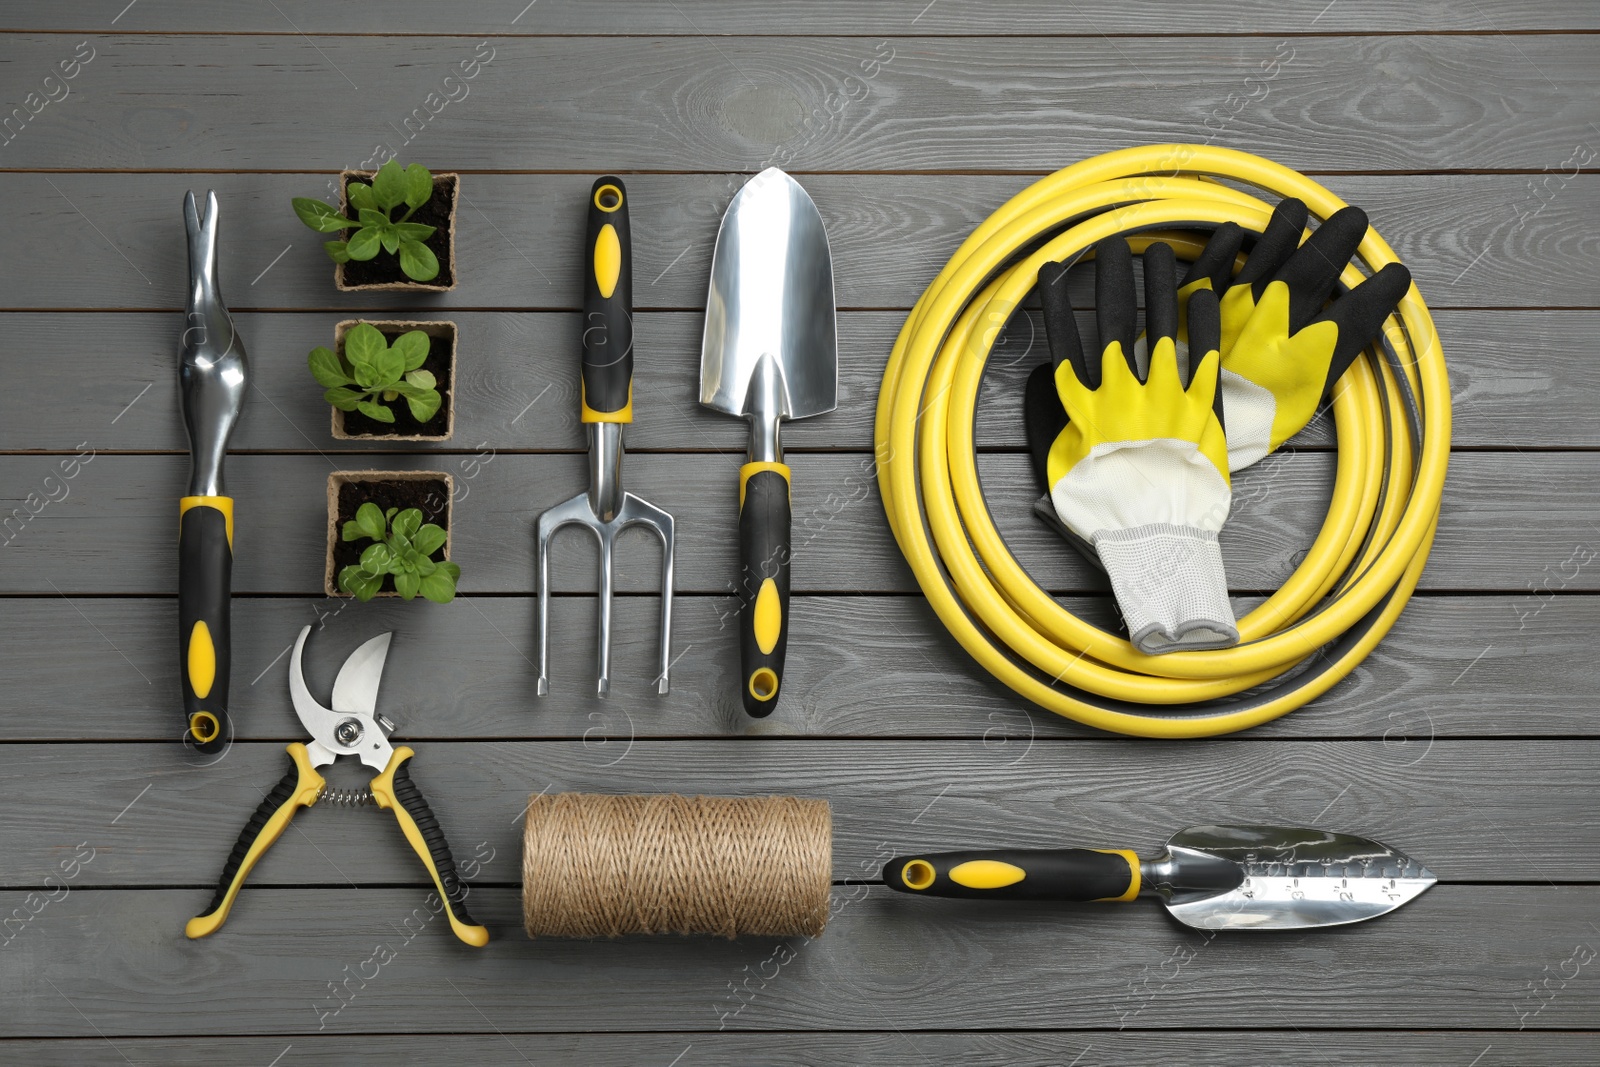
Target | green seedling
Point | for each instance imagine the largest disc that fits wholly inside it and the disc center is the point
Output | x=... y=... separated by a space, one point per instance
x=374 y=373
x=374 y=224
x=402 y=545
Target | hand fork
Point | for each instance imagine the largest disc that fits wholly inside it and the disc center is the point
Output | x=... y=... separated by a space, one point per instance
x=607 y=406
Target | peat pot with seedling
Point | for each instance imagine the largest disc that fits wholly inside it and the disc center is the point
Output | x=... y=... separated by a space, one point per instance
x=389 y=535
x=389 y=381
x=403 y=232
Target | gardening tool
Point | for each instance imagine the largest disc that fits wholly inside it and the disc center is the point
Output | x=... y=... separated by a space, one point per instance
x=770 y=352
x=1392 y=410
x=1210 y=877
x=352 y=727
x=606 y=390
x=213 y=373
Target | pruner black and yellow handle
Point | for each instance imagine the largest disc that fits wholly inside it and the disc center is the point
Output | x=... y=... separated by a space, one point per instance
x=608 y=306
x=299 y=788
x=764 y=523
x=205 y=580
x=394 y=790
x=1077 y=874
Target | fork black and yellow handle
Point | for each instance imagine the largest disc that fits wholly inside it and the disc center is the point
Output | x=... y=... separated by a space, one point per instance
x=205 y=579
x=764 y=526
x=1080 y=874
x=299 y=788
x=394 y=789
x=608 y=306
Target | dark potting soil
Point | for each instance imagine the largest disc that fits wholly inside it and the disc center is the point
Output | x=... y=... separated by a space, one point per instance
x=431 y=496
x=404 y=423
x=384 y=267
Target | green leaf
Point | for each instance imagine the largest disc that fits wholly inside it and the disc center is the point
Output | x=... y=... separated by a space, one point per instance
x=372 y=217
x=324 y=218
x=407 y=523
x=413 y=348
x=424 y=405
x=389 y=185
x=375 y=559
x=370 y=520
x=421 y=379
x=391 y=239
x=440 y=586
x=363 y=345
x=343 y=399
x=364 y=243
x=389 y=366
x=360 y=195
x=418 y=186
x=423 y=565
x=415 y=231
x=375 y=411
x=407 y=585
x=418 y=261
x=428 y=540
x=338 y=251
x=325 y=368
x=391 y=513
x=362 y=586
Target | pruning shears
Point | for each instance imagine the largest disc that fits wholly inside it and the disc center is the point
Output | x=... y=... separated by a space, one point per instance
x=352 y=727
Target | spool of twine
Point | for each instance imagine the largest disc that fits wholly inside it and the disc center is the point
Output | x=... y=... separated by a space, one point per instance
x=602 y=866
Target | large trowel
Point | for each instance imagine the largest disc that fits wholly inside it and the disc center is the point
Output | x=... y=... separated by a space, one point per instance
x=1210 y=877
x=769 y=353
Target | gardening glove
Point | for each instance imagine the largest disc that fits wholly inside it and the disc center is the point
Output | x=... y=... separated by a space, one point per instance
x=1137 y=466
x=1282 y=350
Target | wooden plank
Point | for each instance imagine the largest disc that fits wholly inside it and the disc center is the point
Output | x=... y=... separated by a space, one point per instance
x=1030 y=18
x=176 y=102
x=884 y=962
x=858 y=667
x=1498 y=811
x=1202 y=1048
x=1520 y=380
x=102 y=240
x=1508 y=519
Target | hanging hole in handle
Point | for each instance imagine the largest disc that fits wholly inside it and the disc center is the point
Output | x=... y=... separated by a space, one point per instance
x=918 y=874
x=203 y=726
x=608 y=198
x=763 y=683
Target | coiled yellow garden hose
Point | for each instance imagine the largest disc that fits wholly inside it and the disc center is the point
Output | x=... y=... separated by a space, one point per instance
x=1391 y=414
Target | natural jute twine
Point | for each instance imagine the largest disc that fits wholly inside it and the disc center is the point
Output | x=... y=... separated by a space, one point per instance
x=602 y=866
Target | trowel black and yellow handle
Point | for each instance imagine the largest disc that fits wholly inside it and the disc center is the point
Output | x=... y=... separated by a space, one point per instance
x=607 y=388
x=1078 y=874
x=299 y=788
x=205 y=579
x=764 y=526
x=395 y=791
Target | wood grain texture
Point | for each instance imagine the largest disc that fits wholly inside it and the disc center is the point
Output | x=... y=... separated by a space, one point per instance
x=1509 y=521
x=1342 y=103
x=1031 y=18
x=1520 y=380
x=112 y=241
x=1095 y=1048
x=1472 y=811
x=858 y=667
x=884 y=962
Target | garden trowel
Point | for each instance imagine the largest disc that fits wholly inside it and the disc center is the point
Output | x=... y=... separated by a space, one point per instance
x=769 y=353
x=1210 y=877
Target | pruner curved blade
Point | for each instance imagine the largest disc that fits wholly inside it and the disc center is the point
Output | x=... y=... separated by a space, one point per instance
x=352 y=726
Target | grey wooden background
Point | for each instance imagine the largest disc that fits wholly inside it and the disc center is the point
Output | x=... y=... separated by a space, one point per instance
x=1469 y=738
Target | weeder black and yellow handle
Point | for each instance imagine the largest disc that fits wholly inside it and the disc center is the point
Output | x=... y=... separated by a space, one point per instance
x=394 y=790
x=205 y=581
x=608 y=306
x=764 y=526
x=299 y=788
x=1080 y=874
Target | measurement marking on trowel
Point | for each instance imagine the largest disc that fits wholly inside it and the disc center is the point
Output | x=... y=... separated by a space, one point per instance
x=532 y=402
x=132 y=402
x=269 y=266
x=131 y=803
x=931 y=803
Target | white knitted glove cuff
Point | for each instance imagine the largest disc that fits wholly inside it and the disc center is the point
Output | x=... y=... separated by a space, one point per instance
x=1170 y=586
